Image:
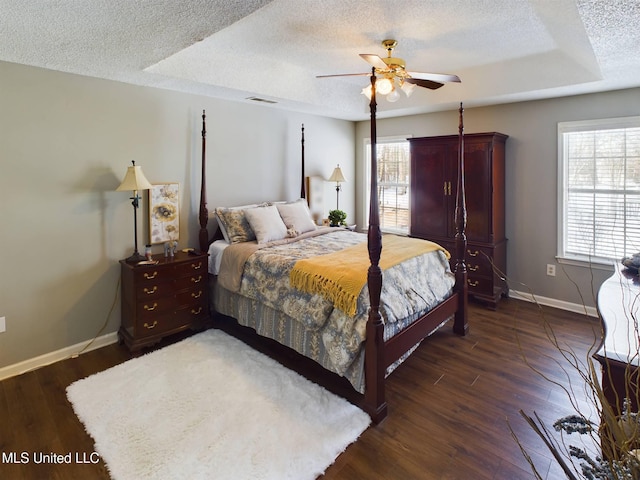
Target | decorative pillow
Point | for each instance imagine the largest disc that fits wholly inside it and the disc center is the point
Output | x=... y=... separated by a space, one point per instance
x=296 y=215
x=266 y=223
x=234 y=225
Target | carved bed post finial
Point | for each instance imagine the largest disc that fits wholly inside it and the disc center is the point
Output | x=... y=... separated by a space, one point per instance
x=460 y=324
x=374 y=399
x=302 y=186
x=203 y=236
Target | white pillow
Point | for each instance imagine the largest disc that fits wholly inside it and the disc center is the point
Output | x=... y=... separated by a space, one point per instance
x=296 y=216
x=266 y=223
x=221 y=215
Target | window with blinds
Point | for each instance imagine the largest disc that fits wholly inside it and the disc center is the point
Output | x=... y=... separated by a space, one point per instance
x=393 y=185
x=600 y=197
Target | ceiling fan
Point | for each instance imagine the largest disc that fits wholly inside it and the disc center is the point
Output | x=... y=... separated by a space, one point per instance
x=392 y=71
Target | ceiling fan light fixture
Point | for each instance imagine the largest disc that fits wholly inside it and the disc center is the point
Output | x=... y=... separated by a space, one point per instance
x=384 y=86
x=367 y=91
x=391 y=75
x=393 y=96
x=407 y=88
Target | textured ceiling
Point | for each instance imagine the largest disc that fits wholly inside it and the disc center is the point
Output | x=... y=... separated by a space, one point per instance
x=503 y=50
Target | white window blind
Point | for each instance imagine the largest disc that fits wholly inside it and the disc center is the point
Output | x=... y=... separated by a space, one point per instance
x=393 y=184
x=600 y=198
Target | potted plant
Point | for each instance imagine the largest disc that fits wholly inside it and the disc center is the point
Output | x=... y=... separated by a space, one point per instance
x=337 y=218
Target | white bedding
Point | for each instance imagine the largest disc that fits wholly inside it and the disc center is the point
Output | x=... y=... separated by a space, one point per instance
x=215 y=255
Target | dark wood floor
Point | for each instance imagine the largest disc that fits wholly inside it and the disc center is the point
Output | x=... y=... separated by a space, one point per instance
x=449 y=405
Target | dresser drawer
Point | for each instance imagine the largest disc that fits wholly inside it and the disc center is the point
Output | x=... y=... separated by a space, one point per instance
x=192 y=281
x=196 y=266
x=191 y=296
x=152 y=307
x=480 y=284
x=160 y=323
x=154 y=289
x=146 y=275
x=192 y=312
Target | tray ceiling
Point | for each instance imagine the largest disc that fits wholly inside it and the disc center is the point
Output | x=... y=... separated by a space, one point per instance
x=503 y=50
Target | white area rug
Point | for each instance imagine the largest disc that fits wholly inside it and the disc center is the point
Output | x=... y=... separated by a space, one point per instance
x=210 y=407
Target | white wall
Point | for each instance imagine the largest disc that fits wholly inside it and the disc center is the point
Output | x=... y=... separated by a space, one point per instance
x=65 y=144
x=531 y=179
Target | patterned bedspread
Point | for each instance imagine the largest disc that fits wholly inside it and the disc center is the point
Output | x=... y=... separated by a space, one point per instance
x=408 y=290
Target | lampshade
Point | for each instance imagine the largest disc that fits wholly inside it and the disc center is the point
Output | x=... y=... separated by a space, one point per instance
x=337 y=175
x=134 y=179
x=393 y=96
x=407 y=88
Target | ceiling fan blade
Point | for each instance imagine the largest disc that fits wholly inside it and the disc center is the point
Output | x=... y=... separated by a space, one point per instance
x=345 y=75
x=424 y=83
x=435 y=77
x=374 y=60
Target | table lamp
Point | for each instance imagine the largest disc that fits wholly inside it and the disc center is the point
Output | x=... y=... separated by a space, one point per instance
x=134 y=180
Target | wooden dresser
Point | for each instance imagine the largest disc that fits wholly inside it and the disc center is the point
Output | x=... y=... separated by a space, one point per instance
x=162 y=299
x=619 y=307
x=434 y=176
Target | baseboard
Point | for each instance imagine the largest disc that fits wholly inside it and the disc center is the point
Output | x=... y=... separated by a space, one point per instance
x=52 y=357
x=552 y=302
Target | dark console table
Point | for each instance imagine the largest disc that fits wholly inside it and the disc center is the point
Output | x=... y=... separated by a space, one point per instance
x=619 y=307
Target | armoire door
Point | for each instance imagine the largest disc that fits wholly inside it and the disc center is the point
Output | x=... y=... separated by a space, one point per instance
x=477 y=165
x=431 y=189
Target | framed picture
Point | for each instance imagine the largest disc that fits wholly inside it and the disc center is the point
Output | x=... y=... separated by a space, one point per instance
x=164 y=214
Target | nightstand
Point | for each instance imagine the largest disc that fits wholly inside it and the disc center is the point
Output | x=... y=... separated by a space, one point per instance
x=163 y=299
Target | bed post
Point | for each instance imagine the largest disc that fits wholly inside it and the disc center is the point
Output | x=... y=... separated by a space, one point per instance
x=460 y=323
x=203 y=236
x=302 y=185
x=375 y=368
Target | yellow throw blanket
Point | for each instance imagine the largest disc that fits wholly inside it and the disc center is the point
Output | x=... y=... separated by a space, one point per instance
x=340 y=276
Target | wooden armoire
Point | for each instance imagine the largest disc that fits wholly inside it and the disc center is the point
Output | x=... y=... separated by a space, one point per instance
x=433 y=195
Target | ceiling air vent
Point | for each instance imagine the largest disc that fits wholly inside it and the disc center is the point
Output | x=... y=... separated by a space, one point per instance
x=262 y=100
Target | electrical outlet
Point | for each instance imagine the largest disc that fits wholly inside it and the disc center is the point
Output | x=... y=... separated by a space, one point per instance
x=551 y=270
x=3 y=324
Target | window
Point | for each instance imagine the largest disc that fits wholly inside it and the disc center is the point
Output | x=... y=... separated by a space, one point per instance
x=393 y=184
x=599 y=200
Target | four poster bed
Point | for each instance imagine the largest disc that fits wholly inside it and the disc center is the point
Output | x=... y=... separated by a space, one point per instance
x=348 y=331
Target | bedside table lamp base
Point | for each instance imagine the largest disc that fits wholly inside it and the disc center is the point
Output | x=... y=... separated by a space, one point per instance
x=136 y=257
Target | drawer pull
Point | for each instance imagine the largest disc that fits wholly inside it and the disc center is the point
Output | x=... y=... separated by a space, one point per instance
x=150 y=309
x=150 y=276
x=153 y=325
x=151 y=291
x=196 y=267
x=196 y=312
x=473 y=268
x=196 y=280
x=473 y=284
x=196 y=295
x=475 y=253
